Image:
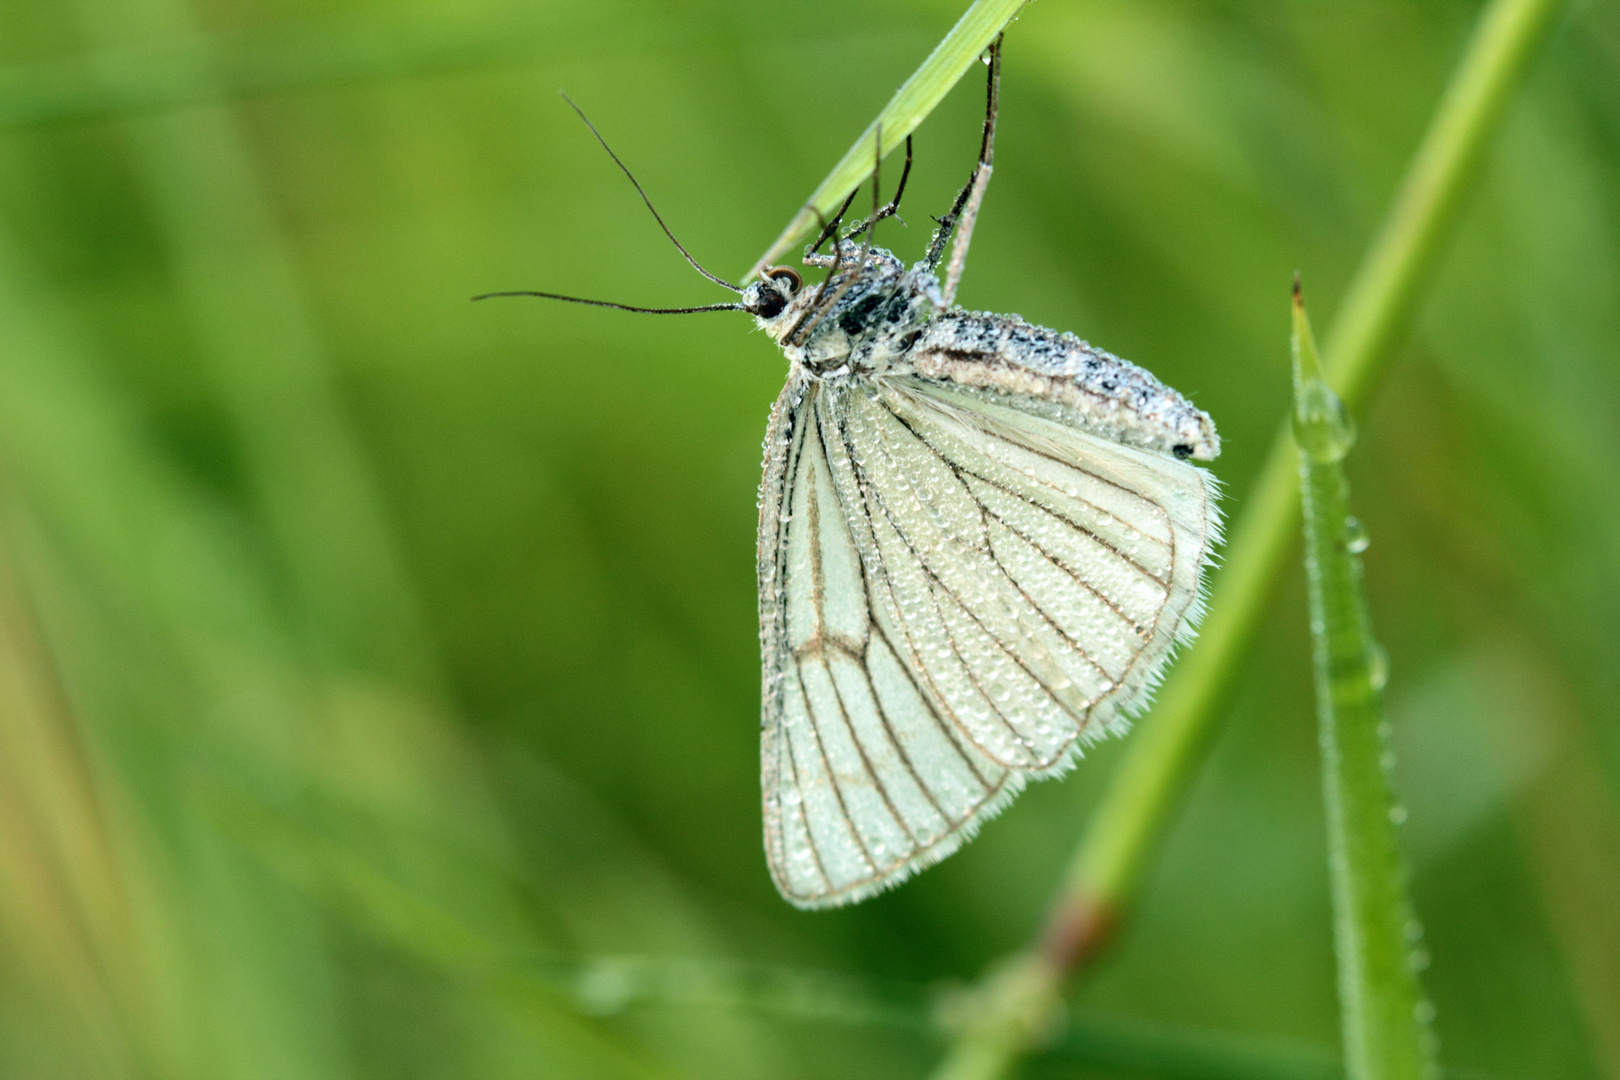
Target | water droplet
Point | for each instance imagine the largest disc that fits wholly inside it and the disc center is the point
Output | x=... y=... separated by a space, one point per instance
x=605 y=989
x=1324 y=430
x=1397 y=814
x=1423 y=1012
x=1355 y=535
x=1377 y=667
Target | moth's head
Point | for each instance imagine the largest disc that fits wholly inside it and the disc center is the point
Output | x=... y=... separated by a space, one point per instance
x=767 y=298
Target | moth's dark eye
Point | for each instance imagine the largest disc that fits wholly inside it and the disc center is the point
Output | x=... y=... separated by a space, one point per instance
x=1182 y=451
x=771 y=304
x=788 y=275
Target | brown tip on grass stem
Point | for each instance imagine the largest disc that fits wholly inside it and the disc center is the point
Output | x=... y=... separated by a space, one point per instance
x=1076 y=931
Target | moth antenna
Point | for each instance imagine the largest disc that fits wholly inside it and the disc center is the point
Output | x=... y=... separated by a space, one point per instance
x=611 y=304
x=656 y=217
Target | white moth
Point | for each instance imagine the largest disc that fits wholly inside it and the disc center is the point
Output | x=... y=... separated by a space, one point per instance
x=979 y=543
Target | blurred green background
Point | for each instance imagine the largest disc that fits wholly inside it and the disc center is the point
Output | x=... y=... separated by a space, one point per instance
x=377 y=670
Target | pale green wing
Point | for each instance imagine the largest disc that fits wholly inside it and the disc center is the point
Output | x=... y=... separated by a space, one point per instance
x=863 y=780
x=1107 y=542
x=953 y=595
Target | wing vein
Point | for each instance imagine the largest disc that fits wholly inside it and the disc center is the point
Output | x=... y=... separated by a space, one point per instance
x=933 y=698
x=1115 y=484
x=951 y=729
x=916 y=668
x=899 y=747
x=804 y=817
x=1074 y=575
x=832 y=777
x=866 y=760
x=860 y=663
x=951 y=637
x=1104 y=541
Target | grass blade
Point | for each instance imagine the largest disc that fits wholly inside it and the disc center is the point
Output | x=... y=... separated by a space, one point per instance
x=1360 y=342
x=1384 y=1015
x=909 y=107
x=1107 y=866
x=126 y=79
x=237 y=280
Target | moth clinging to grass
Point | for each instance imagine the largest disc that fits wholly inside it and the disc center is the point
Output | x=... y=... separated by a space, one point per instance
x=979 y=542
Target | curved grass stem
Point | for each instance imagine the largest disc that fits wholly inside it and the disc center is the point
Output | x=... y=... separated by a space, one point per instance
x=909 y=107
x=1107 y=867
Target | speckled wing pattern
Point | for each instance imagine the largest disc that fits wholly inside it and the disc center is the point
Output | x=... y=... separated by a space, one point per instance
x=955 y=593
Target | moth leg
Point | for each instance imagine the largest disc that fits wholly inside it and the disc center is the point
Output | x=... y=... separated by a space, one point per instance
x=828 y=228
x=822 y=260
x=819 y=305
x=890 y=209
x=801 y=330
x=964 y=212
x=819 y=308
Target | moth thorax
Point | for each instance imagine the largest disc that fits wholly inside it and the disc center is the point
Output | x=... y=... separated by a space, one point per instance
x=874 y=319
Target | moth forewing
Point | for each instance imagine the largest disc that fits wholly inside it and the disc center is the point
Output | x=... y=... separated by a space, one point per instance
x=1135 y=528
x=862 y=783
x=1008 y=588
x=979 y=544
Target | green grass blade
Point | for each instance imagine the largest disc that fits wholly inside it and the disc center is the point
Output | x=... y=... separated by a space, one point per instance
x=237 y=279
x=1384 y=1016
x=909 y=107
x=608 y=985
x=126 y=79
x=1360 y=343
x=1108 y=864
x=148 y=792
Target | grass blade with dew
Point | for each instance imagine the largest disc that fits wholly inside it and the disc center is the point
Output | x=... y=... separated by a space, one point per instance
x=905 y=112
x=1384 y=1015
x=1107 y=867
